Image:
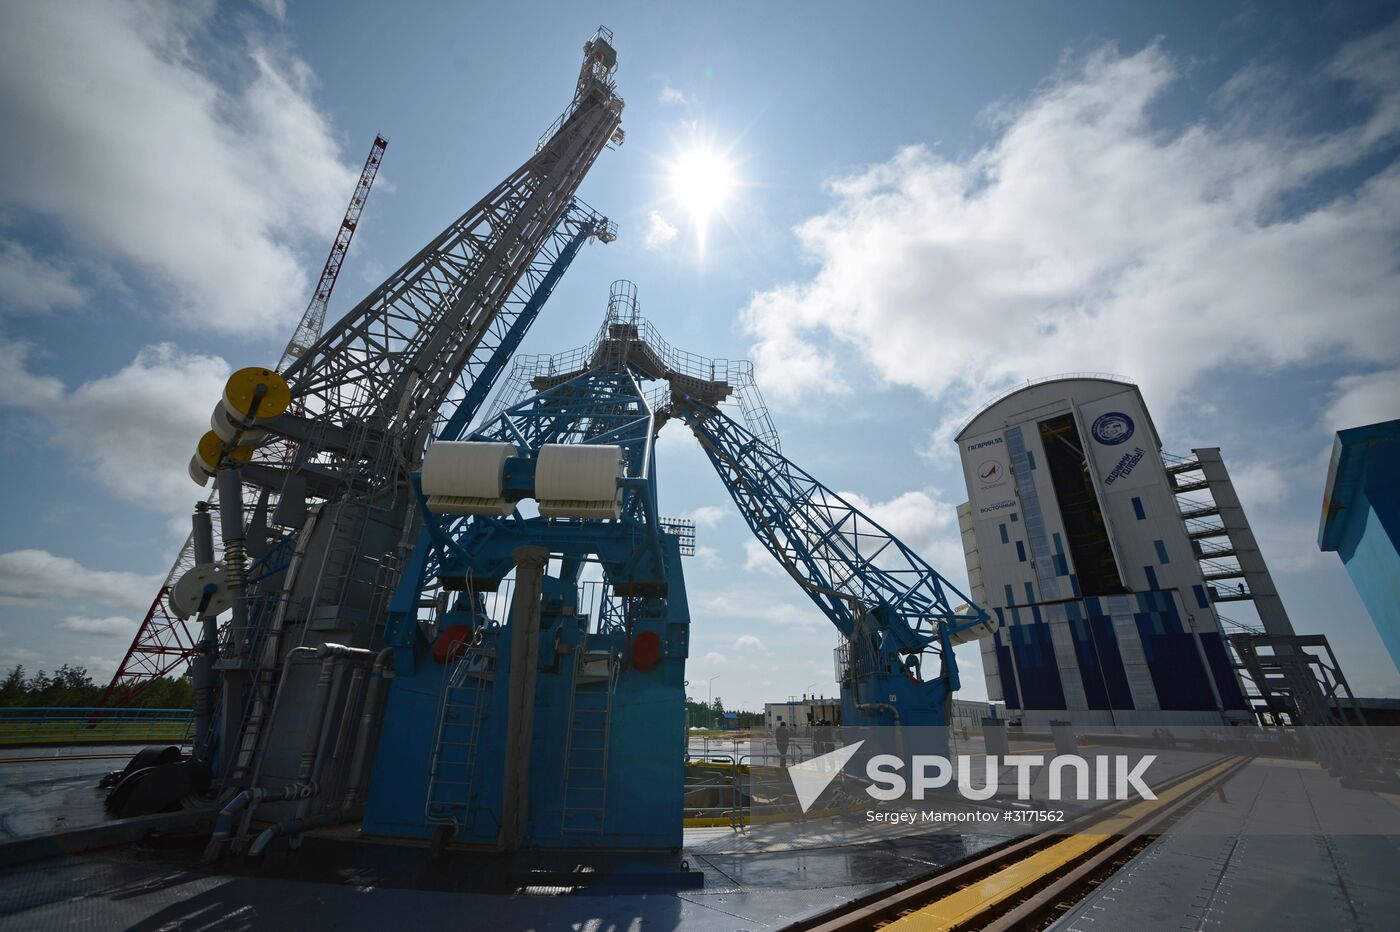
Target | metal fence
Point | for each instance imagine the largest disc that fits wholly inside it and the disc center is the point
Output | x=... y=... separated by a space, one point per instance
x=36 y=726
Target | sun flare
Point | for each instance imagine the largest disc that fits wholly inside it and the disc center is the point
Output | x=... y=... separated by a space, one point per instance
x=702 y=182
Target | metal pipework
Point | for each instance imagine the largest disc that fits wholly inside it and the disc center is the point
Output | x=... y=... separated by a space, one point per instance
x=253 y=731
x=202 y=667
x=230 y=484
x=377 y=676
x=520 y=722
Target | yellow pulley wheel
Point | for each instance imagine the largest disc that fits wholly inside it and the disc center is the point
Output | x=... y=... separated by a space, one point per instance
x=211 y=451
x=257 y=393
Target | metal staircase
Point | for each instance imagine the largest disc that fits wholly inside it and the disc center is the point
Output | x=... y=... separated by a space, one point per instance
x=587 y=741
x=452 y=772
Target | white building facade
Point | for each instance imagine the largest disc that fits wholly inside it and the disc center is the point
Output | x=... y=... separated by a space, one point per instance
x=1074 y=542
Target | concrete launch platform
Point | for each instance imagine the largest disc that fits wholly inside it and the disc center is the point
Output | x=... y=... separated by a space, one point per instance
x=1282 y=843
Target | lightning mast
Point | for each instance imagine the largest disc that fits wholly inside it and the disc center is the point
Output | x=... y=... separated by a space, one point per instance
x=163 y=642
x=312 y=322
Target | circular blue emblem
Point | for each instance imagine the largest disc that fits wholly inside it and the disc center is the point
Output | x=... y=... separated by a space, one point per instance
x=1112 y=428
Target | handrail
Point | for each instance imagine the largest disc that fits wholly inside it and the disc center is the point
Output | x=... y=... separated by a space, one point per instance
x=21 y=725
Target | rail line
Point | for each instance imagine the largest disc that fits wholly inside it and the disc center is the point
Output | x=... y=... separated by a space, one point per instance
x=1026 y=883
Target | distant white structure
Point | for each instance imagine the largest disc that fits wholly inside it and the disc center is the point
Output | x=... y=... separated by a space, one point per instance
x=968 y=714
x=1076 y=539
x=802 y=713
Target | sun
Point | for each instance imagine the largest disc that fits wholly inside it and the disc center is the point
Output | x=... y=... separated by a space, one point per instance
x=702 y=182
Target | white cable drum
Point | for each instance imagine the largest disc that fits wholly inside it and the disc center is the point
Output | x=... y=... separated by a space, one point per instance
x=463 y=477
x=226 y=426
x=977 y=632
x=578 y=480
x=199 y=473
x=189 y=592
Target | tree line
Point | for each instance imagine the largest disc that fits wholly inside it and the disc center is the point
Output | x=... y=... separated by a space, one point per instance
x=72 y=687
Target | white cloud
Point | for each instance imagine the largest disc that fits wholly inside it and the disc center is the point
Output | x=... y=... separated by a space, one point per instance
x=757 y=559
x=707 y=516
x=660 y=231
x=133 y=431
x=748 y=642
x=1085 y=236
x=119 y=132
x=30 y=284
x=1364 y=399
x=19 y=387
x=37 y=575
x=672 y=96
x=112 y=627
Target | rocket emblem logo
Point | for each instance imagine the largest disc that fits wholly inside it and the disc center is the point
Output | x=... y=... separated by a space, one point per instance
x=811 y=777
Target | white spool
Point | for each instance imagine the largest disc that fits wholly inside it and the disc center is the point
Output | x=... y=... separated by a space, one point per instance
x=188 y=593
x=977 y=632
x=199 y=473
x=578 y=480
x=466 y=477
x=227 y=426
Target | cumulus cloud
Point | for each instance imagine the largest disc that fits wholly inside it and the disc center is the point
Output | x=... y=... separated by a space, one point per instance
x=31 y=284
x=1364 y=399
x=1086 y=236
x=707 y=516
x=147 y=140
x=113 y=627
x=748 y=642
x=672 y=96
x=926 y=525
x=660 y=231
x=37 y=575
x=134 y=430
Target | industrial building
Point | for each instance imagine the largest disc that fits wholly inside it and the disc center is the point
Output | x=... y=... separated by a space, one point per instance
x=1361 y=520
x=1076 y=539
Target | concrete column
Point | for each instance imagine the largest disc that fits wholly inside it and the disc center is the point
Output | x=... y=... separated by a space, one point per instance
x=520 y=704
x=202 y=666
x=994 y=735
x=1256 y=572
x=1063 y=733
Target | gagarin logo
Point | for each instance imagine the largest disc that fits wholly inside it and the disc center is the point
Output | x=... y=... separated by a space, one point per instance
x=1112 y=428
x=990 y=472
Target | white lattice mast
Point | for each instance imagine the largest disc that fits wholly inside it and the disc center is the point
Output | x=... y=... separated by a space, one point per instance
x=312 y=322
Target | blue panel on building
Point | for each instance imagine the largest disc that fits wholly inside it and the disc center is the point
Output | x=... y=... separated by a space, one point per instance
x=1361 y=520
x=1201 y=599
x=1008 y=678
x=1161 y=552
x=1004 y=538
x=1172 y=659
x=1035 y=661
x=1225 y=680
x=1100 y=661
x=1138 y=509
x=1021 y=551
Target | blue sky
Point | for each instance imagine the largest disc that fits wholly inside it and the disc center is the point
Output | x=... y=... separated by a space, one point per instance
x=935 y=201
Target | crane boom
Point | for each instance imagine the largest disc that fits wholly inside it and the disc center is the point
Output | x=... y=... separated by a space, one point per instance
x=314 y=318
x=163 y=642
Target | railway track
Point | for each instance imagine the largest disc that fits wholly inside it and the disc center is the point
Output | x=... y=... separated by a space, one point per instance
x=1028 y=883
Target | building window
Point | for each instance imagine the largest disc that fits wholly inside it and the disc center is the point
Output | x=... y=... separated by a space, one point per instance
x=1151 y=577
x=1004 y=538
x=1161 y=552
x=1137 y=509
x=1020 y=551
x=1010 y=599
